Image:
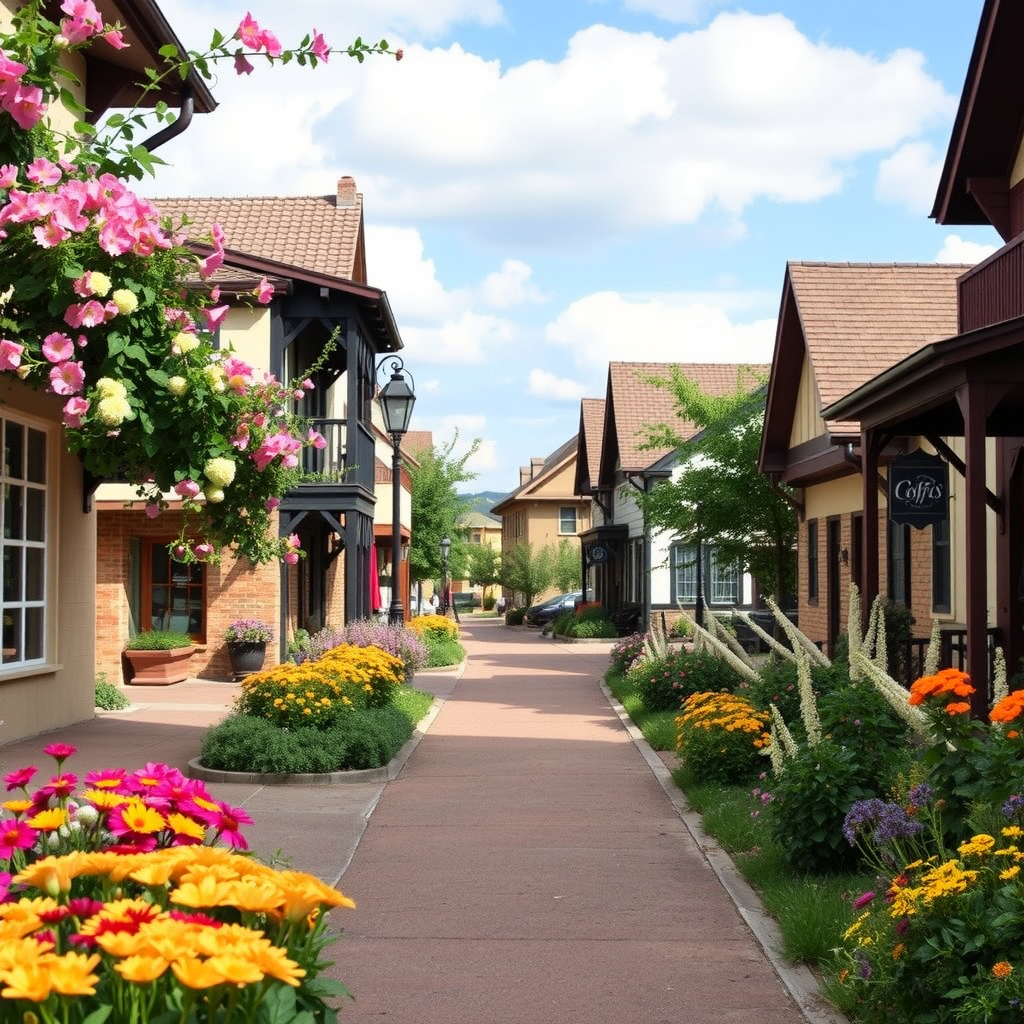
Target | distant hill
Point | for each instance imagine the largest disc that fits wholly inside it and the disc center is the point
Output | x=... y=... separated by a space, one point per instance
x=484 y=501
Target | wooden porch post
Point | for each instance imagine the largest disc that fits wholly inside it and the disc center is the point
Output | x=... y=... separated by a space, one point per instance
x=869 y=549
x=1010 y=549
x=971 y=398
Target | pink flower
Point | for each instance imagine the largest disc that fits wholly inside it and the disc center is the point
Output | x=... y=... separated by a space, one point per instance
x=202 y=551
x=10 y=354
x=74 y=410
x=85 y=314
x=114 y=38
x=152 y=510
x=863 y=900
x=272 y=503
x=25 y=104
x=316 y=439
x=228 y=820
x=187 y=488
x=242 y=64
x=43 y=172
x=49 y=234
x=215 y=316
x=60 y=752
x=67 y=378
x=291 y=557
x=19 y=778
x=249 y=32
x=264 y=291
x=319 y=47
x=8 y=175
x=15 y=835
x=57 y=347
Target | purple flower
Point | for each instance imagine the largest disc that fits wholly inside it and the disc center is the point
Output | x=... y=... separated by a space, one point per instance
x=1013 y=806
x=884 y=822
x=863 y=900
x=920 y=794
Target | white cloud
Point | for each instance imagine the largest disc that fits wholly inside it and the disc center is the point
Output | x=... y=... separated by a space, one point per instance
x=510 y=286
x=464 y=339
x=552 y=152
x=397 y=256
x=680 y=11
x=657 y=329
x=958 y=250
x=910 y=176
x=543 y=384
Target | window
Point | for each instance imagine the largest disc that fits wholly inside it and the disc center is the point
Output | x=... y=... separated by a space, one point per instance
x=684 y=573
x=724 y=581
x=24 y=479
x=812 y=561
x=173 y=594
x=899 y=565
x=941 y=574
x=567 y=519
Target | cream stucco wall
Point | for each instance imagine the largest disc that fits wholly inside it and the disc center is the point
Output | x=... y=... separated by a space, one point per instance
x=61 y=692
x=807 y=421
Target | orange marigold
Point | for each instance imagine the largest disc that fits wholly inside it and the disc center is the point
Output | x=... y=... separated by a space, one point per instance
x=1009 y=708
x=1002 y=969
x=948 y=681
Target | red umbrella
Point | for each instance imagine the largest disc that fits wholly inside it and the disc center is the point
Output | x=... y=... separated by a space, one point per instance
x=375 y=602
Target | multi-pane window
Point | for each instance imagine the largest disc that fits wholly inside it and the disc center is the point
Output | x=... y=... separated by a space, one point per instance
x=684 y=573
x=23 y=478
x=567 y=519
x=812 y=560
x=724 y=581
x=942 y=587
x=173 y=593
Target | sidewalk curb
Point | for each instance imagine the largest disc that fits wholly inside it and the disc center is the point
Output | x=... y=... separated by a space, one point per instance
x=797 y=979
x=386 y=773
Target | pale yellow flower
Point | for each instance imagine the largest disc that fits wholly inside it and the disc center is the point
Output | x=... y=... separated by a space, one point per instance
x=220 y=472
x=183 y=342
x=177 y=386
x=126 y=300
x=107 y=387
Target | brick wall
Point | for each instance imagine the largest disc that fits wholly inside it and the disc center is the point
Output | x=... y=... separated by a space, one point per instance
x=235 y=590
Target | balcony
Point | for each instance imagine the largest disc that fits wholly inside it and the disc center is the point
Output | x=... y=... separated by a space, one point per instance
x=993 y=291
x=326 y=465
x=338 y=477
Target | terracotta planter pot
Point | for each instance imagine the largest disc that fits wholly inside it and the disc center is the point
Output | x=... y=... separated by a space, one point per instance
x=159 y=668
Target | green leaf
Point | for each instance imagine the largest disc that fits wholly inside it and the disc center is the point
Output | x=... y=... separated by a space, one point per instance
x=158 y=377
x=99 y=1015
x=168 y=50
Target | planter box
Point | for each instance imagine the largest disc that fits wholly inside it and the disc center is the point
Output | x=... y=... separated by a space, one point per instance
x=246 y=656
x=159 y=668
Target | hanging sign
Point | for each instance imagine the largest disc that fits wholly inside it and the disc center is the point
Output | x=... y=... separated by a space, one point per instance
x=918 y=489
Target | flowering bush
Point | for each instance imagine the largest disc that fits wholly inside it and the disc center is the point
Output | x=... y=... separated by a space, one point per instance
x=115 y=909
x=942 y=940
x=720 y=736
x=441 y=625
x=252 y=631
x=398 y=640
x=664 y=683
x=98 y=303
x=316 y=693
x=626 y=651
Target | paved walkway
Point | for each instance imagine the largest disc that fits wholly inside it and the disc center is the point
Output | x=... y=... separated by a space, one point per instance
x=531 y=863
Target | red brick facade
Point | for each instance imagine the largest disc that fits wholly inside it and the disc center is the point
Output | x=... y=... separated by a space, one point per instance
x=234 y=590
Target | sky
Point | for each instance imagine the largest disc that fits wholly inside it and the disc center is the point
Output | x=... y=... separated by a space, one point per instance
x=550 y=185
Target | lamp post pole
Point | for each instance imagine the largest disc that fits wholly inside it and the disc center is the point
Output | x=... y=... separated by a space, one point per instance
x=445 y=548
x=396 y=400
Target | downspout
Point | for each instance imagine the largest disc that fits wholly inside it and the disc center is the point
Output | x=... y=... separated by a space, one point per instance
x=183 y=120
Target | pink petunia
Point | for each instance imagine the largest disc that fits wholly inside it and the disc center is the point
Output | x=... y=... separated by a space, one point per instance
x=264 y=291
x=25 y=104
x=113 y=37
x=8 y=175
x=152 y=510
x=202 y=551
x=227 y=821
x=215 y=316
x=10 y=354
x=58 y=347
x=242 y=64
x=74 y=411
x=67 y=378
x=43 y=172
x=187 y=488
x=319 y=47
x=249 y=31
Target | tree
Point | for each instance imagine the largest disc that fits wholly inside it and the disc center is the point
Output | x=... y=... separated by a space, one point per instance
x=567 y=573
x=437 y=509
x=720 y=496
x=484 y=565
x=526 y=572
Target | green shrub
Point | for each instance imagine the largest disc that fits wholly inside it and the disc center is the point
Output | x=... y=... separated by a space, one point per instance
x=811 y=799
x=592 y=629
x=663 y=685
x=514 y=617
x=721 y=736
x=489 y=602
x=777 y=685
x=443 y=650
x=626 y=651
x=368 y=738
x=108 y=696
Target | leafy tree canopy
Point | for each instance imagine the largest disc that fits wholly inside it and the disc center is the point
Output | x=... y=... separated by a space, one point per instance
x=720 y=494
x=527 y=572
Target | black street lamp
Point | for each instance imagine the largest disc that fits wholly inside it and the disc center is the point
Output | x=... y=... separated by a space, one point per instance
x=396 y=401
x=446 y=546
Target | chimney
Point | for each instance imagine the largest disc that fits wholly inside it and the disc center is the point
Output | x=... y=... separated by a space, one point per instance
x=346 y=191
x=536 y=466
x=524 y=475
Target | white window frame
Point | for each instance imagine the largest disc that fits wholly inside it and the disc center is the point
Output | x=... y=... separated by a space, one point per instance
x=684 y=573
x=724 y=581
x=562 y=531
x=12 y=658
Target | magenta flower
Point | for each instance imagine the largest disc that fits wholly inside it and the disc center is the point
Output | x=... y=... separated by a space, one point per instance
x=187 y=488
x=242 y=64
x=8 y=175
x=863 y=900
x=15 y=835
x=152 y=509
x=227 y=821
x=111 y=780
x=215 y=316
x=153 y=775
x=67 y=378
x=19 y=778
x=319 y=47
x=10 y=354
x=58 y=347
x=74 y=410
x=60 y=786
x=60 y=752
x=264 y=291
x=5 y=885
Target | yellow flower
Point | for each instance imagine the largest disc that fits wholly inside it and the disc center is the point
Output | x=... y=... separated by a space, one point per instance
x=99 y=283
x=220 y=472
x=48 y=820
x=1010 y=872
x=184 y=342
x=141 y=969
x=17 y=807
x=125 y=300
x=177 y=386
x=107 y=387
x=112 y=412
x=72 y=974
x=978 y=846
x=898 y=950
x=142 y=818
x=29 y=981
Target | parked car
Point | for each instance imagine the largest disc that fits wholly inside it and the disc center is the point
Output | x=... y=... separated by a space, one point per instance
x=549 y=610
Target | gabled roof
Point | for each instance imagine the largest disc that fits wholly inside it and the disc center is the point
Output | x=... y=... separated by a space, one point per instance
x=591 y=435
x=319 y=233
x=633 y=404
x=852 y=321
x=480 y=520
x=551 y=465
x=417 y=440
x=975 y=182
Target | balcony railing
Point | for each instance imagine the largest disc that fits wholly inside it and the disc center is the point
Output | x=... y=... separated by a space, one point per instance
x=327 y=464
x=993 y=291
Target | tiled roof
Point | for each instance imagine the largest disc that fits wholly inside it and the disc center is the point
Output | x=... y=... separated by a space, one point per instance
x=320 y=233
x=638 y=404
x=417 y=441
x=859 y=319
x=592 y=420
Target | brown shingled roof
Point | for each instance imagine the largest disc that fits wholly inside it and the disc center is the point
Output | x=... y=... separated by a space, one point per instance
x=638 y=404
x=321 y=233
x=859 y=319
x=592 y=430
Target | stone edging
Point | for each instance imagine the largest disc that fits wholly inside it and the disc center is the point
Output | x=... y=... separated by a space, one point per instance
x=385 y=773
x=797 y=979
